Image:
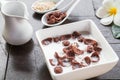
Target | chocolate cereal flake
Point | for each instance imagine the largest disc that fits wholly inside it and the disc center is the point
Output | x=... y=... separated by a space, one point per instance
x=53 y=62
x=47 y=41
x=55 y=17
x=75 y=64
x=75 y=44
x=58 y=69
x=58 y=57
x=60 y=62
x=70 y=54
x=77 y=51
x=95 y=57
x=75 y=34
x=90 y=42
x=56 y=39
x=80 y=39
x=97 y=49
x=66 y=43
x=87 y=60
x=65 y=37
x=89 y=48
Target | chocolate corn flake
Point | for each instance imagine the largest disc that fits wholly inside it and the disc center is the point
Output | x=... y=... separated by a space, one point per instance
x=95 y=57
x=58 y=69
x=97 y=49
x=56 y=39
x=47 y=41
x=65 y=37
x=55 y=17
x=90 y=42
x=80 y=39
x=77 y=51
x=75 y=64
x=75 y=34
x=89 y=49
x=66 y=43
x=87 y=60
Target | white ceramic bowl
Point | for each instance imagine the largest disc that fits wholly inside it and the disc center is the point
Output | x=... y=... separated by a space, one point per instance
x=108 y=61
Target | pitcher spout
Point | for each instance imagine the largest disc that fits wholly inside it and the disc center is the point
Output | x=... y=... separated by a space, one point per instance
x=2 y=3
x=14 y=9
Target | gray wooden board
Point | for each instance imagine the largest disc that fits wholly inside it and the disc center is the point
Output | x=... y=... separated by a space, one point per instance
x=3 y=52
x=97 y=3
x=28 y=64
x=3 y=61
x=21 y=64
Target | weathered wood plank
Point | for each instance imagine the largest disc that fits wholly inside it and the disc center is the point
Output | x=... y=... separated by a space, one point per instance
x=97 y=3
x=21 y=64
x=3 y=61
x=3 y=52
x=42 y=70
x=116 y=47
x=25 y=65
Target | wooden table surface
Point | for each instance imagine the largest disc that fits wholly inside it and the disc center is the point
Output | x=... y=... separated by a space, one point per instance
x=27 y=62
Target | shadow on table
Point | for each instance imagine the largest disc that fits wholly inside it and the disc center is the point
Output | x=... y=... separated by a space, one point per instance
x=37 y=16
x=20 y=56
x=66 y=22
x=43 y=73
x=95 y=78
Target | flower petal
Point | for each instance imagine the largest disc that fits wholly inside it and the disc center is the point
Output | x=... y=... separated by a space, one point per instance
x=117 y=4
x=117 y=19
x=102 y=12
x=108 y=2
x=107 y=20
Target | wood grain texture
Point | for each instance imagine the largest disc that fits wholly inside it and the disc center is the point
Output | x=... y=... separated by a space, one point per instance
x=97 y=3
x=27 y=62
x=3 y=61
x=3 y=51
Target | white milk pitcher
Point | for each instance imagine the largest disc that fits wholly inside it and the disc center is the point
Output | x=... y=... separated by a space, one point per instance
x=17 y=29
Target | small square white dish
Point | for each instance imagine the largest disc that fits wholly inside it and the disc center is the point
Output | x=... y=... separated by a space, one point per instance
x=108 y=57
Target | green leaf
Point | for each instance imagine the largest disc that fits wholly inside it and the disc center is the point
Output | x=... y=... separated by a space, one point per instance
x=116 y=31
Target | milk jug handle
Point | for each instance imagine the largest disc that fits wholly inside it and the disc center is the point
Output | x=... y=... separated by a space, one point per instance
x=26 y=14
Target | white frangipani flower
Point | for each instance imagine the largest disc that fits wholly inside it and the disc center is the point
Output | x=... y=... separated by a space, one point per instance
x=109 y=12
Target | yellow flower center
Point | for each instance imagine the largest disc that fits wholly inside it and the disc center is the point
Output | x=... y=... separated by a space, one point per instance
x=113 y=11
